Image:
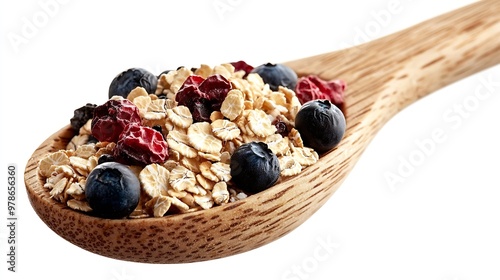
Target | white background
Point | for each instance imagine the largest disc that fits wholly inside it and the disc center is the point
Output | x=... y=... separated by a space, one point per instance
x=442 y=222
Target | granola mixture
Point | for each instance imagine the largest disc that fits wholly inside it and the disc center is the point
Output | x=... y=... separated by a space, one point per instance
x=196 y=174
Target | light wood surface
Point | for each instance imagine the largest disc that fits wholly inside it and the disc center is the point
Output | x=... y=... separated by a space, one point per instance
x=383 y=77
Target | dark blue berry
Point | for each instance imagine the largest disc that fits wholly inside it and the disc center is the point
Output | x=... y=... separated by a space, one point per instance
x=105 y=158
x=320 y=124
x=277 y=75
x=254 y=167
x=82 y=115
x=92 y=140
x=129 y=79
x=112 y=190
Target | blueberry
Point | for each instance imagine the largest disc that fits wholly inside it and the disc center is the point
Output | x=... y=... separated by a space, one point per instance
x=129 y=79
x=320 y=124
x=277 y=75
x=105 y=158
x=82 y=115
x=92 y=140
x=254 y=167
x=112 y=190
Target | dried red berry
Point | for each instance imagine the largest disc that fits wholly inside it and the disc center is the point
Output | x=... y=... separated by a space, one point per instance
x=281 y=127
x=333 y=90
x=140 y=145
x=242 y=65
x=203 y=96
x=306 y=91
x=201 y=111
x=189 y=92
x=110 y=119
x=216 y=87
x=312 y=87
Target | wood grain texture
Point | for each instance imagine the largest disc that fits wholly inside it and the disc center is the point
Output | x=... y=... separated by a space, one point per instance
x=383 y=76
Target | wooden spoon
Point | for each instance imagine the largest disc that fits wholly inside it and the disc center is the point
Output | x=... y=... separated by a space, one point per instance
x=383 y=76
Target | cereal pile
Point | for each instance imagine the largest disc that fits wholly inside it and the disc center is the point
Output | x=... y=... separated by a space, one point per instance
x=196 y=173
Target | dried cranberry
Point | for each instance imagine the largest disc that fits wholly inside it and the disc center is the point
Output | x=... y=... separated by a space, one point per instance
x=216 y=87
x=242 y=65
x=140 y=145
x=312 y=87
x=203 y=96
x=193 y=80
x=111 y=118
x=333 y=90
x=307 y=91
x=189 y=92
x=201 y=110
x=281 y=128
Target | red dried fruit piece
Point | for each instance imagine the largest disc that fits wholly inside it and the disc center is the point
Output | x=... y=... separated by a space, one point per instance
x=189 y=92
x=307 y=91
x=111 y=118
x=203 y=96
x=140 y=145
x=312 y=87
x=216 y=87
x=333 y=90
x=281 y=127
x=242 y=65
x=201 y=111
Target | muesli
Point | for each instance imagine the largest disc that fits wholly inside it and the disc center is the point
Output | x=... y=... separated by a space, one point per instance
x=179 y=139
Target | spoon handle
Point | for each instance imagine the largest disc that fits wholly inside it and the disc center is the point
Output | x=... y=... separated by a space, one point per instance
x=394 y=71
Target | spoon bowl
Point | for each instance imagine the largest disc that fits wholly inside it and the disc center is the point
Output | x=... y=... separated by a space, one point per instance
x=383 y=77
